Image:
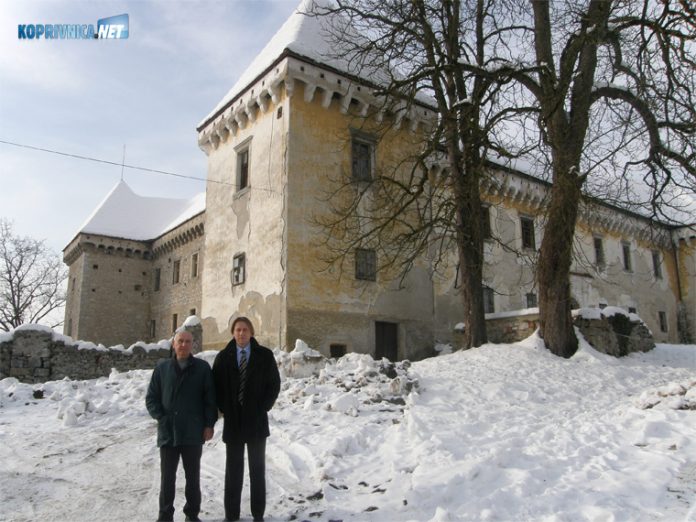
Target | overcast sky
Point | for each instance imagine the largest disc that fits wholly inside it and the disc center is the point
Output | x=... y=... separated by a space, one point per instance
x=92 y=97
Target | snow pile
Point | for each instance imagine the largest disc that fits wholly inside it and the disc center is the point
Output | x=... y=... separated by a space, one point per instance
x=303 y=361
x=674 y=396
x=501 y=432
x=607 y=311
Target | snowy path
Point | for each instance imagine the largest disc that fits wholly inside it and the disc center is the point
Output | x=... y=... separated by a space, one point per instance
x=505 y=433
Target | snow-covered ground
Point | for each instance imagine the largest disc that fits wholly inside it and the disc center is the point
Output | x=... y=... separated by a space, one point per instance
x=499 y=433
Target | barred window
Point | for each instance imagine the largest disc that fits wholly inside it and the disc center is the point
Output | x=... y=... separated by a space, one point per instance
x=194 y=265
x=176 y=271
x=626 y=250
x=531 y=300
x=599 y=251
x=365 y=264
x=657 y=265
x=157 y=279
x=238 y=269
x=242 y=168
x=362 y=154
x=488 y=300
x=527 y=228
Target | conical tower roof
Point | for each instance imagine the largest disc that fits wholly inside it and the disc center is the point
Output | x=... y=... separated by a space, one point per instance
x=125 y=214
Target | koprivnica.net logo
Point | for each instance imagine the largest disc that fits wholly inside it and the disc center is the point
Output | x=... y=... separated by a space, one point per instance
x=111 y=28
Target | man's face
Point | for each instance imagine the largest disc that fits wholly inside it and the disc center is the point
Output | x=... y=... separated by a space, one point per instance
x=183 y=344
x=241 y=333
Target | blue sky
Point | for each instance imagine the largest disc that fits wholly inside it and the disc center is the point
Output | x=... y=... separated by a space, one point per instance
x=91 y=98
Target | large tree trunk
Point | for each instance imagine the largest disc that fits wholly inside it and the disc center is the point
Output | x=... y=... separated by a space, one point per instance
x=555 y=258
x=472 y=297
x=470 y=249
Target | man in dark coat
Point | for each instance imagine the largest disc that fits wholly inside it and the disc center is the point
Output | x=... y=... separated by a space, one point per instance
x=247 y=383
x=181 y=397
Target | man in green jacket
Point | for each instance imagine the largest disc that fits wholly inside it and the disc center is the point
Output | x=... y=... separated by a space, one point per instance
x=181 y=397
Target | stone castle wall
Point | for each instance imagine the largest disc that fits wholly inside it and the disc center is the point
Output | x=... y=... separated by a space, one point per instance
x=33 y=354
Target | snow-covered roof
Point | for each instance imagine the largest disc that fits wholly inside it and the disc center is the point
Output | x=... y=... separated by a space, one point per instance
x=308 y=36
x=302 y=34
x=125 y=214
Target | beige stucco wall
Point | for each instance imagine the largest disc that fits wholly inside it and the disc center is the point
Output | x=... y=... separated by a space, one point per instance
x=328 y=305
x=509 y=269
x=250 y=221
x=686 y=259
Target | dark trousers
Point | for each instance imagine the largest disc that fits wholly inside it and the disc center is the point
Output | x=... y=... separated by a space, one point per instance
x=234 y=477
x=169 y=462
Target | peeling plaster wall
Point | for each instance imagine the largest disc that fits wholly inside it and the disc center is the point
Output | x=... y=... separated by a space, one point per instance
x=330 y=306
x=509 y=269
x=249 y=221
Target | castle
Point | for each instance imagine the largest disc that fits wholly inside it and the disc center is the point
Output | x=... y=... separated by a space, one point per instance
x=275 y=143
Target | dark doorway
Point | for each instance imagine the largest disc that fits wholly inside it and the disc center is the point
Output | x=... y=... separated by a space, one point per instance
x=386 y=340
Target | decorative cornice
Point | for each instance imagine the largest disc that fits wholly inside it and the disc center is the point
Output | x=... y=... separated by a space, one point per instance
x=85 y=242
x=318 y=81
x=180 y=236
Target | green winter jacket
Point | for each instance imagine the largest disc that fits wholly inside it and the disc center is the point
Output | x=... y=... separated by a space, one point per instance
x=182 y=401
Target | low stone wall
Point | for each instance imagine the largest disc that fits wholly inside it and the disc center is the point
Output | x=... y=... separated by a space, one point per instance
x=39 y=355
x=513 y=327
x=612 y=330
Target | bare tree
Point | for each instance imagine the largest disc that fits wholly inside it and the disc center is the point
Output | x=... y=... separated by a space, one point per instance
x=609 y=84
x=31 y=280
x=416 y=54
x=614 y=82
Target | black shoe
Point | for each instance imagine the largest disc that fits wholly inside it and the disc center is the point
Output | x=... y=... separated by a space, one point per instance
x=233 y=518
x=258 y=519
x=192 y=519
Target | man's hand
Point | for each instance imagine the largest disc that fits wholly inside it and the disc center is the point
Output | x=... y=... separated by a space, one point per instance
x=208 y=433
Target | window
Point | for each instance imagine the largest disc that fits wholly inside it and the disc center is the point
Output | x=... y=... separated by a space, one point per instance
x=175 y=322
x=176 y=271
x=153 y=328
x=527 y=226
x=365 y=264
x=488 y=300
x=72 y=286
x=657 y=265
x=626 y=251
x=69 y=332
x=486 y=222
x=662 y=316
x=157 y=279
x=632 y=310
x=599 y=251
x=238 y=269
x=337 y=350
x=362 y=152
x=192 y=311
x=243 y=168
x=531 y=300
x=194 y=265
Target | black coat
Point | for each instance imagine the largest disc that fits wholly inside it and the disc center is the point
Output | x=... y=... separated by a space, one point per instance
x=249 y=421
x=182 y=401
